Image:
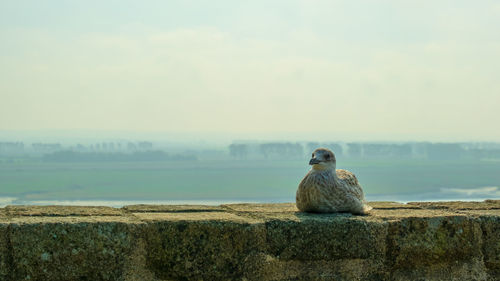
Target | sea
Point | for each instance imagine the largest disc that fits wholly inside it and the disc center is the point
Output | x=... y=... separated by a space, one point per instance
x=215 y=182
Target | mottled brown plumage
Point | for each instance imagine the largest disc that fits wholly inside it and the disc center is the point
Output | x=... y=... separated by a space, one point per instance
x=327 y=190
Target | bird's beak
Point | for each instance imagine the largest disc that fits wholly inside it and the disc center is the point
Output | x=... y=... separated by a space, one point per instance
x=313 y=161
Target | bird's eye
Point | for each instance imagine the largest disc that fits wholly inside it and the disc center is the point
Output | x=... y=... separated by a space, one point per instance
x=327 y=156
x=312 y=155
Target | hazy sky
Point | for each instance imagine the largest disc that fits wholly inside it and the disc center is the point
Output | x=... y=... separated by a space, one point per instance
x=366 y=69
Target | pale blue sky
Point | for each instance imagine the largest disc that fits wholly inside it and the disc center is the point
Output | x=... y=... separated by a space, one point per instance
x=392 y=70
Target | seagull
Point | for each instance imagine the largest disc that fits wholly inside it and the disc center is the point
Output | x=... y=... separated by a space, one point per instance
x=327 y=190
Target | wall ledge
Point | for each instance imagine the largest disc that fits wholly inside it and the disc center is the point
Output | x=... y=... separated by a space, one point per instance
x=414 y=241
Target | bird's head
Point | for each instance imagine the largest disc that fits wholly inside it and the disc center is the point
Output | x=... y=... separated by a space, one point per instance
x=323 y=159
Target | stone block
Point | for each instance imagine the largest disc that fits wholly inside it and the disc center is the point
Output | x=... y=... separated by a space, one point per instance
x=201 y=249
x=4 y=252
x=491 y=244
x=70 y=251
x=326 y=237
x=435 y=248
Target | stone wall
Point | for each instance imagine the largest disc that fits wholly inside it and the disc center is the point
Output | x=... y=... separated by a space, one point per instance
x=414 y=241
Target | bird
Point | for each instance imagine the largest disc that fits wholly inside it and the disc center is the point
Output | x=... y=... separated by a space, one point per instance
x=327 y=190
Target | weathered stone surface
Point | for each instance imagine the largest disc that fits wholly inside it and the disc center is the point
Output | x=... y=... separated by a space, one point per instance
x=463 y=270
x=70 y=251
x=491 y=244
x=201 y=250
x=381 y=205
x=435 y=248
x=4 y=252
x=342 y=237
x=61 y=211
x=458 y=205
x=321 y=247
x=480 y=213
x=262 y=208
x=194 y=216
x=414 y=241
x=399 y=214
x=267 y=267
x=70 y=219
x=141 y=208
x=3 y=213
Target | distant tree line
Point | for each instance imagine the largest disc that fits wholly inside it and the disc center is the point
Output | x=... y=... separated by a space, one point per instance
x=271 y=150
x=146 y=156
x=39 y=148
x=238 y=150
x=114 y=147
x=11 y=147
x=335 y=147
x=143 y=151
x=284 y=150
x=359 y=150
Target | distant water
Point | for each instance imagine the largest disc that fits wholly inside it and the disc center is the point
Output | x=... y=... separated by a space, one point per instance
x=222 y=182
x=445 y=194
x=115 y=203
